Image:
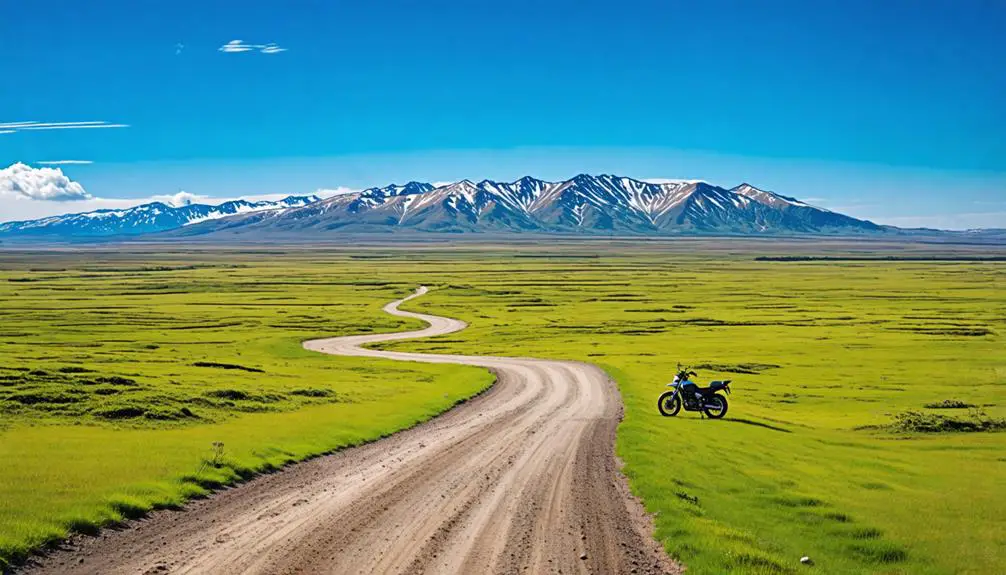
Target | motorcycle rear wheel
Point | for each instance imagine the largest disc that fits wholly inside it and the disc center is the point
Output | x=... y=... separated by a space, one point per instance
x=669 y=404
x=718 y=400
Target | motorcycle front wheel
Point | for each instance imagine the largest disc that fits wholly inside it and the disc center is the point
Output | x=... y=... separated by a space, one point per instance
x=715 y=407
x=669 y=404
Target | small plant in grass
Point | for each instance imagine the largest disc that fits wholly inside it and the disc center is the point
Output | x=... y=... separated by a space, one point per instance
x=218 y=453
x=215 y=461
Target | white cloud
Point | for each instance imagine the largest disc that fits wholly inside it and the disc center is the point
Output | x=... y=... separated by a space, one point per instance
x=46 y=184
x=180 y=199
x=65 y=163
x=14 y=127
x=236 y=46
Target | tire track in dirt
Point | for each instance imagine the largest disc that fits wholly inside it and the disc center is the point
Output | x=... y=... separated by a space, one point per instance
x=520 y=479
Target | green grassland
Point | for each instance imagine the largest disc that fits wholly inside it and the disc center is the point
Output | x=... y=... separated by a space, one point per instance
x=825 y=355
x=117 y=378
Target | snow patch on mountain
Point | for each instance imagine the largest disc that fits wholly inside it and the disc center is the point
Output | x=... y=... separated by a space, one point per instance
x=766 y=197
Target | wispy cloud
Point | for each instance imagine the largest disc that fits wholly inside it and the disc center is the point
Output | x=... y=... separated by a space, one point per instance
x=14 y=127
x=236 y=46
x=64 y=162
x=58 y=127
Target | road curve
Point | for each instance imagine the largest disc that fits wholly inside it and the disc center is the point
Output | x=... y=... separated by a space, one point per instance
x=522 y=479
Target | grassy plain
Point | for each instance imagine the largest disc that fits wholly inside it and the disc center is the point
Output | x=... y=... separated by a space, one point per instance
x=118 y=375
x=823 y=356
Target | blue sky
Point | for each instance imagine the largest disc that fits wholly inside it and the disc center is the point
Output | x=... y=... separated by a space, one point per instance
x=893 y=110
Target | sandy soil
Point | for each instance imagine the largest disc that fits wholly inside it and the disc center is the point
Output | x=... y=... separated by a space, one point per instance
x=522 y=479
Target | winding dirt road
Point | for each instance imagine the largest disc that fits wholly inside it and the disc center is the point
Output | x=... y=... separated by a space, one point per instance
x=522 y=479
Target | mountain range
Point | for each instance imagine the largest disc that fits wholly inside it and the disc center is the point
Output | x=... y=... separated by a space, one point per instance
x=584 y=204
x=604 y=204
x=143 y=219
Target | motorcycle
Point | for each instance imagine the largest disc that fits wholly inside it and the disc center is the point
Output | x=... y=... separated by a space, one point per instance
x=688 y=394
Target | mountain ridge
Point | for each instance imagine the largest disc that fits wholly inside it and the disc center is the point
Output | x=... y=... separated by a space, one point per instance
x=146 y=218
x=603 y=204
x=584 y=204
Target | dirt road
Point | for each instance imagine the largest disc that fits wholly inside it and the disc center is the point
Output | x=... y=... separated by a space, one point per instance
x=522 y=479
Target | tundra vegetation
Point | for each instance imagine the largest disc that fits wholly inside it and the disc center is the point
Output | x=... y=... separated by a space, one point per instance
x=863 y=428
